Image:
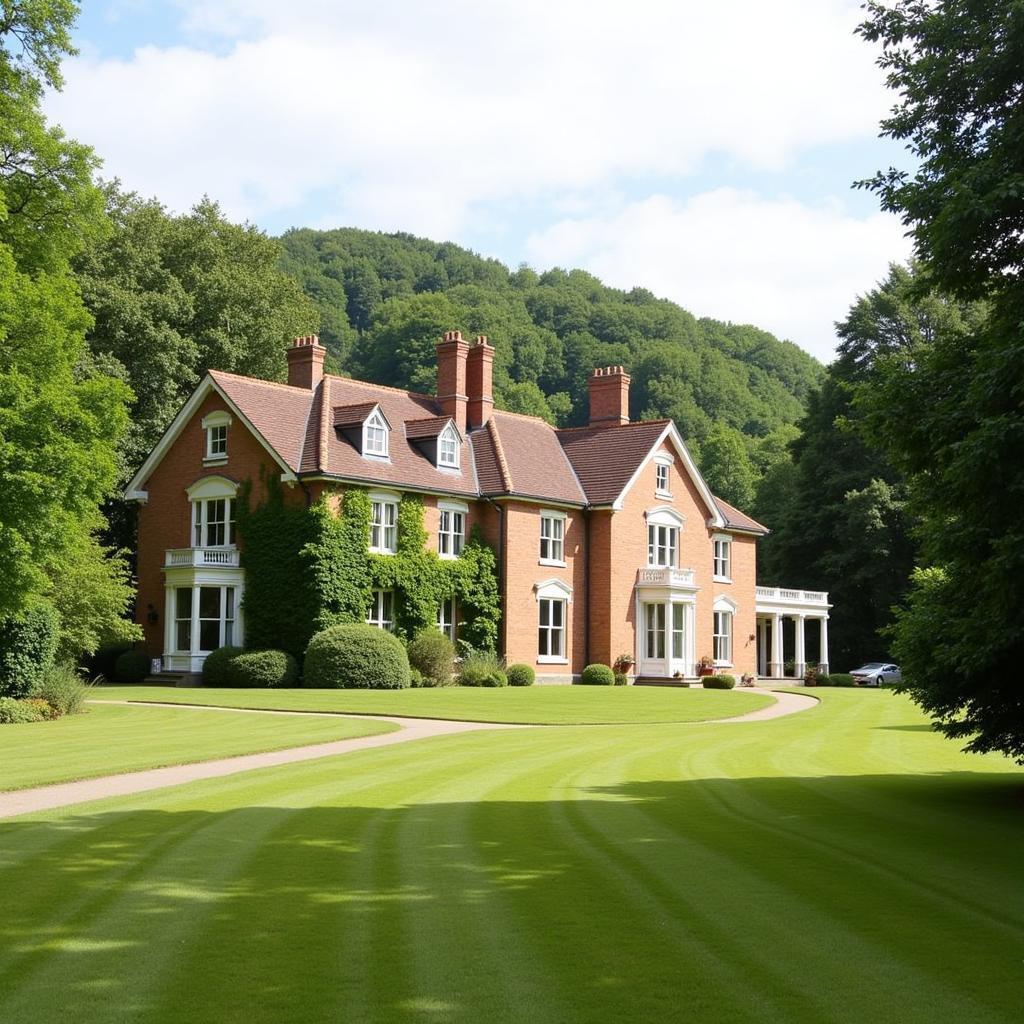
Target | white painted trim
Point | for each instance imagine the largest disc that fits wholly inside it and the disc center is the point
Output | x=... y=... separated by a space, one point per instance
x=724 y=603
x=553 y=588
x=664 y=515
x=452 y=432
x=670 y=433
x=453 y=506
x=171 y=434
x=217 y=418
x=550 y=659
x=212 y=487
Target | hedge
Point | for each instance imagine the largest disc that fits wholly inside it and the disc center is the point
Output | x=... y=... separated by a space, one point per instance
x=356 y=656
x=262 y=670
x=719 y=682
x=840 y=679
x=597 y=675
x=131 y=667
x=215 y=667
x=28 y=642
x=520 y=675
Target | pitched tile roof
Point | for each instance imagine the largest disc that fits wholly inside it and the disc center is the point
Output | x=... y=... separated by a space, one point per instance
x=738 y=520
x=278 y=411
x=350 y=415
x=605 y=458
x=422 y=430
x=529 y=460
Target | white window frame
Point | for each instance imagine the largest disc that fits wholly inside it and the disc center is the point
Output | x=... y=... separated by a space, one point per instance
x=551 y=594
x=451 y=528
x=383 y=534
x=376 y=436
x=447 y=617
x=216 y=426
x=202 y=495
x=663 y=475
x=722 y=631
x=381 y=602
x=227 y=618
x=552 y=533
x=722 y=558
x=448 y=448
x=664 y=530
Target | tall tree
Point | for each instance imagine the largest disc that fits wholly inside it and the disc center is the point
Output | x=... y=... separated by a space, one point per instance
x=950 y=414
x=60 y=416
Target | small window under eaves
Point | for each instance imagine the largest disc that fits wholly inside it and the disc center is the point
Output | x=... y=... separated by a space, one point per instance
x=375 y=435
x=448 y=448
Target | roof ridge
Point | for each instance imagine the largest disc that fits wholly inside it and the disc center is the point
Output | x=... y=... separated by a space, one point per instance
x=523 y=416
x=381 y=387
x=258 y=380
x=506 y=475
x=615 y=426
x=324 y=451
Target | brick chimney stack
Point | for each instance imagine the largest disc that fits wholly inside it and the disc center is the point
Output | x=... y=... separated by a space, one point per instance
x=480 y=382
x=609 y=396
x=451 y=377
x=306 y=362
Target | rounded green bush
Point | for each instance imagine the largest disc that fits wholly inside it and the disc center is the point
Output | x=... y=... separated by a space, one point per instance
x=520 y=675
x=215 y=668
x=356 y=657
x=597 y=675
x=841 y=679
x=415 y=678
x=131 y=667
x=433 y=655
x=28 y=642
x=262 y=670
x=19 y=712
x=621 y=679
x=496 y=677
x=719 y=682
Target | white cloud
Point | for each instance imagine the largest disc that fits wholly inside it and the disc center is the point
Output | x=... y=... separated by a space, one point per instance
x=787 y=267
x=409 y=115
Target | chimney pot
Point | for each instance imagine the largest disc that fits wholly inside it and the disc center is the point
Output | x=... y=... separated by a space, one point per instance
x=609 y=396
x=306 y=362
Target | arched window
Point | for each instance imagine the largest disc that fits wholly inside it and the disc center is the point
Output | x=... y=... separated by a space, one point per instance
x=213 y=512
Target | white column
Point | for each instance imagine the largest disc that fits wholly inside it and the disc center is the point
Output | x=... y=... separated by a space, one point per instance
x=689 y=640
x=775 y=668
x=800 y=654
x=824 y=644
x=762 y=646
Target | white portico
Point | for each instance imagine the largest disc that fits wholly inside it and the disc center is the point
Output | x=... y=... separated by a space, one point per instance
x=666 y=600
x=786 y=645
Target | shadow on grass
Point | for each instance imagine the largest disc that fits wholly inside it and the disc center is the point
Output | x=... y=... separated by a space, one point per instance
x=710 y=899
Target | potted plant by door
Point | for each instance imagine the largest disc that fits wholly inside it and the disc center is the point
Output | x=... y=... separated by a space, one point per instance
x=623 y=663
x=706 y=666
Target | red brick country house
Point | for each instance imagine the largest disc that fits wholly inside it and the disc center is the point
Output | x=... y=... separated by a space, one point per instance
x=609 y=541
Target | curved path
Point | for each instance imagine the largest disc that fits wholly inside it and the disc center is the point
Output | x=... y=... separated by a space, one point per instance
x=62 y=794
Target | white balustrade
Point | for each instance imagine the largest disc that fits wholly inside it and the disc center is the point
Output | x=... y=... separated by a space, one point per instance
x=200 y=558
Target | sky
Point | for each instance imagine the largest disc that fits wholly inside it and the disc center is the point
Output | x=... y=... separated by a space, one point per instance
x=703 y=151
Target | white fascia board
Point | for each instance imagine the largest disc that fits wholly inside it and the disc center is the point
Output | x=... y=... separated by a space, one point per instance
x=134 y=491
x=670 y=433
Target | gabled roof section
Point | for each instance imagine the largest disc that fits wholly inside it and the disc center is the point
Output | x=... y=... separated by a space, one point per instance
x=275 y=414
x=737 y=520
x=353 y=415
x=608 y=460
x=520 y=456
x=428 y=428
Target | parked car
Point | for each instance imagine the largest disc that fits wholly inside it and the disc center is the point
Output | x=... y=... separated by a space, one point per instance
x=876 y=673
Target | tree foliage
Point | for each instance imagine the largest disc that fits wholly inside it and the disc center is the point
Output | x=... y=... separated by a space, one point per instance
x=949 y=410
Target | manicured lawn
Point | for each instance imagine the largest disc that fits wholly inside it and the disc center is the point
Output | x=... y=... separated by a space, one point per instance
x=845 y=864
x=105 y=740
x=535 y=705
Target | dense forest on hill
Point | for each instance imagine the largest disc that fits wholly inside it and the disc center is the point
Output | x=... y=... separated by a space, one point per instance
x=384 y=299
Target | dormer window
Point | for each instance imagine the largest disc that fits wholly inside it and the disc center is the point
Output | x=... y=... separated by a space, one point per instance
x=448 y=448
x=662 y=469
x=375 y=435
x=216 y=427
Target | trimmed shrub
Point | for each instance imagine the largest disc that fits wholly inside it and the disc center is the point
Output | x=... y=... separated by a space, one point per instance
x=597 y=675
x=621 y=679
x=261 y=670
x=824 y=681
x=62 y=688
x=520 y=675
x=215 y=668
x=356 y=656
x=840 y=679
x=415 y=678
x=719 y=682
x=102 y=662
x=478 y=668
x=131 y=667
x=18 y=712
x=433 y=655
x=28 y=642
